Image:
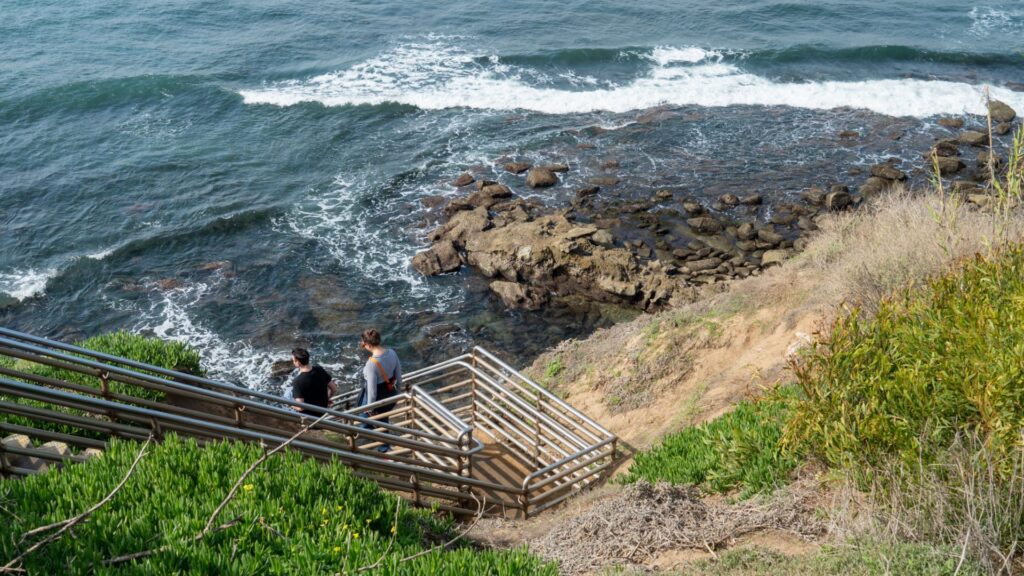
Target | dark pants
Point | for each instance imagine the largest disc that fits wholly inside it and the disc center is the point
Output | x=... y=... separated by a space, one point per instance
x=368 y=426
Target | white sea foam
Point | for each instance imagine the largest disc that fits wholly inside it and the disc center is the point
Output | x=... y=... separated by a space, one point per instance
x=340 y=221
x=436 y=75
x=23 y=284
x=665 y=55
x=986 y=20
x=101 y=254
x=171 y=316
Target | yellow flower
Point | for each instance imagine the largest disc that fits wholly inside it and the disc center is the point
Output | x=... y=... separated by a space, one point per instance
x=324 y=511
x=248 y=487
x=339 y=507
x=394 y=529
x=337 y=549
x=355 y=535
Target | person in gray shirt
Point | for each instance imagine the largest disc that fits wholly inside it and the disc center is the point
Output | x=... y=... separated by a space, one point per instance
x=382 y=375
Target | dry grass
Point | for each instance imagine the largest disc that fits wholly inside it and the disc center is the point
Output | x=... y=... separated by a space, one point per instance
x=629 y=529
x=970 y=501
x=900 y=240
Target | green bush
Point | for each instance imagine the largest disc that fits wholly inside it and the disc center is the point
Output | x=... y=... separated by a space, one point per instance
x=154 y=351
x=738 y=450
x=297 y=516
x=945 y=359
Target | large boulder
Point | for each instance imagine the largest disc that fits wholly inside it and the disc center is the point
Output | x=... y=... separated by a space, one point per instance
x=973 y=138
x=772 y=257
x=541 y=178
x=838 y=200
x=438 y=259
x=768 y=235
x=955 y=123
x=464 y=179
x=948 y=165
x=1001 y=112
x=888 y=172
x=518 y=167
x=705 y=225
x=746 y=231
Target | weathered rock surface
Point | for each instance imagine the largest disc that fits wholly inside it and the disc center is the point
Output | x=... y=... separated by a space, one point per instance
x=1001 y=112
x=516 y=295
x=438 y=259
x=541 y=178
x=954 y=123
x=705 y=225
x=464 y=179
x=974 y=138
x=531 y=260
x=948 y=165
x=518 y=167
x=888 y=172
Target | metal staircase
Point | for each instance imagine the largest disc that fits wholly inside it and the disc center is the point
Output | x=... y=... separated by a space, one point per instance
x=467 y=430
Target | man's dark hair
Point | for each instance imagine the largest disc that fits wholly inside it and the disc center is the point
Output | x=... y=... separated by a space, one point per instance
x=371 y=337
x=302 y=355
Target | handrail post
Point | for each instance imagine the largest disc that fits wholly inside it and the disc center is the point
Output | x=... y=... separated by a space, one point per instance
x=472 y=389
x=536 y=431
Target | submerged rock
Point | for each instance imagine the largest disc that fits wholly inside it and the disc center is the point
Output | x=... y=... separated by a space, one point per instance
x=518 y=167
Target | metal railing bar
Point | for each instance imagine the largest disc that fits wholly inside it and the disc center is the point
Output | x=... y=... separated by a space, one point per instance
x=566 y=460
x=44 y=454
x=520 y=426
x=172 y=421
x=551 y=397
x=529 y=400
x=73 y=420
x=181 y=386
x=79 y=441
x=562 y=473
x=526 y=410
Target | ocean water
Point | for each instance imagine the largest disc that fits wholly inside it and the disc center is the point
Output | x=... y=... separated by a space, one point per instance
x=245 y=175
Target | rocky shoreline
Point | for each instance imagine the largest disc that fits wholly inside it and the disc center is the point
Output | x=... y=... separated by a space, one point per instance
x=657 y=252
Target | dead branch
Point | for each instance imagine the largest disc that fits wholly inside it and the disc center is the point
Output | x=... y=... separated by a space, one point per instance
x=147 y=553
x=481 y=504
x=64 y=525
x=252 y=468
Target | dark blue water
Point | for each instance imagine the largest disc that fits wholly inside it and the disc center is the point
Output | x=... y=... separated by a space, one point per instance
x=248 y=175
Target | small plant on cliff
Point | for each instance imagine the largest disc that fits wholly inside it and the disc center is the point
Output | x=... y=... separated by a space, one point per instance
x=554 y=368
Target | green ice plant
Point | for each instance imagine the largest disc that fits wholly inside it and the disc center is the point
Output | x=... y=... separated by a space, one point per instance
x=293 y=515
x=738 y=451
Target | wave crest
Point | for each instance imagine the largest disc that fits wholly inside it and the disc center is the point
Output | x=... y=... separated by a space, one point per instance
x=436 y=75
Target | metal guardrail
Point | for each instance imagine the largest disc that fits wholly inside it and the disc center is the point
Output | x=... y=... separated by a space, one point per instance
x=435 y=430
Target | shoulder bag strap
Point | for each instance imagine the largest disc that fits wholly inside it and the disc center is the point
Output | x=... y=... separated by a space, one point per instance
x=383 y=374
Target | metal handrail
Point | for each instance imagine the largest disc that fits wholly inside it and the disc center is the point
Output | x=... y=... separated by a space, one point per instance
x=99 y=405
x=562 y=448
x=235 y=400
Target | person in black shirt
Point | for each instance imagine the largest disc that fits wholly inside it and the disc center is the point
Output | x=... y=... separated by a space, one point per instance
x=313 y=385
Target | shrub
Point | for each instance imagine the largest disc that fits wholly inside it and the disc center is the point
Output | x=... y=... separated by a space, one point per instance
x=738 y=450
x=931 y=363
x=296 y=516
x=154 y=351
